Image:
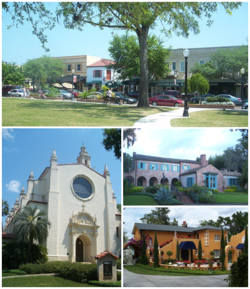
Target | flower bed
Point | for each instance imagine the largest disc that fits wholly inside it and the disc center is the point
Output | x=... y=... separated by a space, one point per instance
x=210 y=105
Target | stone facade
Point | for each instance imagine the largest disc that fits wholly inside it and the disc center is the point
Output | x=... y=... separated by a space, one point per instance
x=148 y=171
x=106 y=267
x=76 y=218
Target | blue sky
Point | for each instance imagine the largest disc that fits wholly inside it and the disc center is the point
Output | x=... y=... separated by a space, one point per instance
x=227 y=30
x=183 y=143
x=192 y=215
x=24 y=150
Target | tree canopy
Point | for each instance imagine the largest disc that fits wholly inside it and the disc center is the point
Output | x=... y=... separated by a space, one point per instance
x=129 y=137
x=199 y=83
x=127 y=162
x=158 y=216
x=112 y=141
x=139 y=17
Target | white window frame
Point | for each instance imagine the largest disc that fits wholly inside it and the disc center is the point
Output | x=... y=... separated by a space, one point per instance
x=182 y=66
x=69 y=67
x=185 y=167
x=165 y=167
x=175 y=168
x=216 y=237
x=78 y=66
x=216 y=253
x=153 y=166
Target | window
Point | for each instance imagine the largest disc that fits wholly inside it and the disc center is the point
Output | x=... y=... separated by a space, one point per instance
x=197 y=236
x=175 y=168
x=141 y=166
x=78 y=67
x=82 y=188
x=233 y=182
x=173 y=65
x=117 y=232
x=97 y=73
x=210 y=181
x=108 y=75
x=154 y=167
x=202 y=62
x=186 y=167
x=216 y=253
x=216 y=237
x=189 y=182
x=182 y=66
x=164 y=167
x=69 y=67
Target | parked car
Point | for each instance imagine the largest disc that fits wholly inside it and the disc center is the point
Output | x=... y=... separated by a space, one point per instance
x=75 y=92
x=196 y=99
x=246 y=105
x=174 y=93
x=16 y=92
x=7 y=88
x=134 y=94
x=125 y=98
x=235 y=100
x=65 y=94
x=165 y=100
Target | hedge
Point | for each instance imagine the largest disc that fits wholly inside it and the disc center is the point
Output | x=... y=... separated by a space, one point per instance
x=106 y=284
x=229 y=191
x=135 y=190
x=217 y=99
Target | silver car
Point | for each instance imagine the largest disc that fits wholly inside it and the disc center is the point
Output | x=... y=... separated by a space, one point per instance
x=235 y=100
x=65 y=94
x=16 y=92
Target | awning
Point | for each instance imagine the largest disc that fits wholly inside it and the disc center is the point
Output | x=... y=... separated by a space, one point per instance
x=187 y=245
x=113 y=84
x=95 y=82
x=67 y=85
x=240 y=246
x=57 y=85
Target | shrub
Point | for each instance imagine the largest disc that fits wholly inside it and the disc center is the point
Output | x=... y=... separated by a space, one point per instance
x=235 y=188
x=135 y=190
x=229 y=190
x=16 y=272
x=127 y=186
x=206 y=199
x=196 y=189
x=119 y=275
x=217 y=99
x=14 y=254
x=53 y=92
x=152 y=190
x=169 y=253
x=118 y=264
x=106 y=284
x=178 y=184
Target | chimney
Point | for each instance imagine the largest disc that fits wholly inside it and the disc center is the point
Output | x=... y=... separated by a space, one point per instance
x=184 y=224
x=204 y=162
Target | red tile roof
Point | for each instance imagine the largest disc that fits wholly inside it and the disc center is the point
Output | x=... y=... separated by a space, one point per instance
x=8 y=236
x=102 y=62
x=105 y=253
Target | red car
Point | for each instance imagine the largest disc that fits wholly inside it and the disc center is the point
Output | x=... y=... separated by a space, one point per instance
x=75 y=92
x=165 y=100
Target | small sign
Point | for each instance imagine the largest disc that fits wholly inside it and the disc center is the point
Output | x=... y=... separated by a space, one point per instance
x=107 y=269
x=74 y=78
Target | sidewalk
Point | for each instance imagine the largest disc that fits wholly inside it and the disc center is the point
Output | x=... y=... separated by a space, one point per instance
x=163 y=119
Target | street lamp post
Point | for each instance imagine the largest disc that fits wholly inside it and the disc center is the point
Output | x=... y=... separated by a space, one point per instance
x=242 y=71
x=185 y=112
x=72 y=97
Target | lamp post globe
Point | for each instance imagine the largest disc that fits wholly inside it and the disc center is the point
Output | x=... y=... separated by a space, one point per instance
x=242 y=71
x=72 y=97
x=185 y=112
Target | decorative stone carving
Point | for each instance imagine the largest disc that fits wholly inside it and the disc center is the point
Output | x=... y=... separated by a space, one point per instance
x=127 y=256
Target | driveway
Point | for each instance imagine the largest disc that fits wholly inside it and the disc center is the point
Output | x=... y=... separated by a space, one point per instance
x=138 y=280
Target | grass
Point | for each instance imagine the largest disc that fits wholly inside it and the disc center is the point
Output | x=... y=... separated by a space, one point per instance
x=231 y=198
x=145 y=269
x=213 y=118
x=24 y=112
x=138 y=200
x=41 y=281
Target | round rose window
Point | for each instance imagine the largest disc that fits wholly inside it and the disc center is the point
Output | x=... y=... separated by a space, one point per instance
x=82 y=188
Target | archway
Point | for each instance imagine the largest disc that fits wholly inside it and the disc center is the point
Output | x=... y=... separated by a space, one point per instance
x=130 y=179
x=235 y=254
x=174 y=180
x=166 y=181
x=83 y=249
x=141 y=182
x=153 y=182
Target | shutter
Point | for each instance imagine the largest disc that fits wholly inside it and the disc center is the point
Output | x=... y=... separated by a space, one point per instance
x=139 y=165
x=168 y=167
x=100 y=73
x=188 y=167
x=157 y=167
x=93 y=73
x=178 y=168
x=150 y=166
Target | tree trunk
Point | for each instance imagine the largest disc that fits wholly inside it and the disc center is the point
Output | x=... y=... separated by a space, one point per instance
x=143 y=86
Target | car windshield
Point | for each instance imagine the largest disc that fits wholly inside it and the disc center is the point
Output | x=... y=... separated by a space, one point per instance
x=173 y=97
x=124 y=95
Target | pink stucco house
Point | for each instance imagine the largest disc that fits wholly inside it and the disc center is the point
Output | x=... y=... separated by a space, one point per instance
x=148 y=171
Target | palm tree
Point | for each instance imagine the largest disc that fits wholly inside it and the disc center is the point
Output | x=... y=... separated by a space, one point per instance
x=31 y=225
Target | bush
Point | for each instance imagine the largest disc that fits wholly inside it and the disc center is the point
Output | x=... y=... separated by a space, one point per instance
x=16 y=272
x=178 y=184
x=229 y=191
x=53 y=92
x=119 y=275
x=217 y=99
x=152 y=190
x=118 y=264
x=106 y=284
x=127 y=186
x=14 y=254
x=166 y=261
x=206 y=199
x=135 y=190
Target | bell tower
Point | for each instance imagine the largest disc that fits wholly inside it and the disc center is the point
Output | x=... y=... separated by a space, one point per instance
x=84 y=157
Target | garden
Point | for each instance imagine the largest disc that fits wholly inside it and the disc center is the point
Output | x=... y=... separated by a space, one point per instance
x=65 y=274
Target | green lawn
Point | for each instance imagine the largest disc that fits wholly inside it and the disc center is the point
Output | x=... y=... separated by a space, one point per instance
x=139 y=201
x=24 y=112
x=41 y=281
x=213 y=118
x=231 y=198
x=145 y=269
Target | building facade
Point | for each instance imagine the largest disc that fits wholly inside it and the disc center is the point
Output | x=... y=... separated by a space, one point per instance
x=81 y=206
x=188 y=240
x=148 y=171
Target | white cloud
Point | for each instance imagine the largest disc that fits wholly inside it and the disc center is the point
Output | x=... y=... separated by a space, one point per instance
x=8 y=133
x=13 y=186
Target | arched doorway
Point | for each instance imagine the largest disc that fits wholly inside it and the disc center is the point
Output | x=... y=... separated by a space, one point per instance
x=235 y=254
x=130 y=180
x=174 y=180
x=141 y=182
x=83 y=249
x=153 y=182
x=166 y=181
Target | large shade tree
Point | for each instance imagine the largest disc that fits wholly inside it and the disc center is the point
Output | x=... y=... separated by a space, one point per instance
x=158 y=216
x=139 y=17
x=31 y=225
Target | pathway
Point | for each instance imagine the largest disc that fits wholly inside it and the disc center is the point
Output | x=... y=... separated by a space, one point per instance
x=139 y=280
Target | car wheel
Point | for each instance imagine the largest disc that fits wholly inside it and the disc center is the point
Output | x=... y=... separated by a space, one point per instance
x=125 y=102
x=154 y=103
x=176 y=104
x=246 y=107
x=194 y=101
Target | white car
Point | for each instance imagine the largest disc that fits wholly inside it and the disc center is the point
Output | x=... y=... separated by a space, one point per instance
x=16 y=92
x=65 y=94
x=246 y=105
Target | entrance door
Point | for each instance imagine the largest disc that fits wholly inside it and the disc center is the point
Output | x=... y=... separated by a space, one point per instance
x=184 y=254
x=79 y=250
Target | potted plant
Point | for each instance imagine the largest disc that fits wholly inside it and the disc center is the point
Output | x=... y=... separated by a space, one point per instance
x=218 y=262
x=199 y=262
x=186 y=262
x=210 y=263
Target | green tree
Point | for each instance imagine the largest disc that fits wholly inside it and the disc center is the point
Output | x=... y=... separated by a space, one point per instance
x=31 y=226
x=199 y=83
x=14 y=78
x=5 y=208
x=143 y=254
x=8 y=68
x=246 y=241
x=156 y=253
x=222 y=251
x=127 y=162
x=177 y=251
x=129 y=137
x=200 y=250
x=118 y=206
x=138 y=17
x=217 y=161
x=174 y=222
x=43 y=70
x=169 y=253
x=112 y=141
x=125 y=51
x=208 y=70
x=158 y=216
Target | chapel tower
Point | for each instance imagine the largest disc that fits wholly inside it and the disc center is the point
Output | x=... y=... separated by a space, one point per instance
x=84 y=157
